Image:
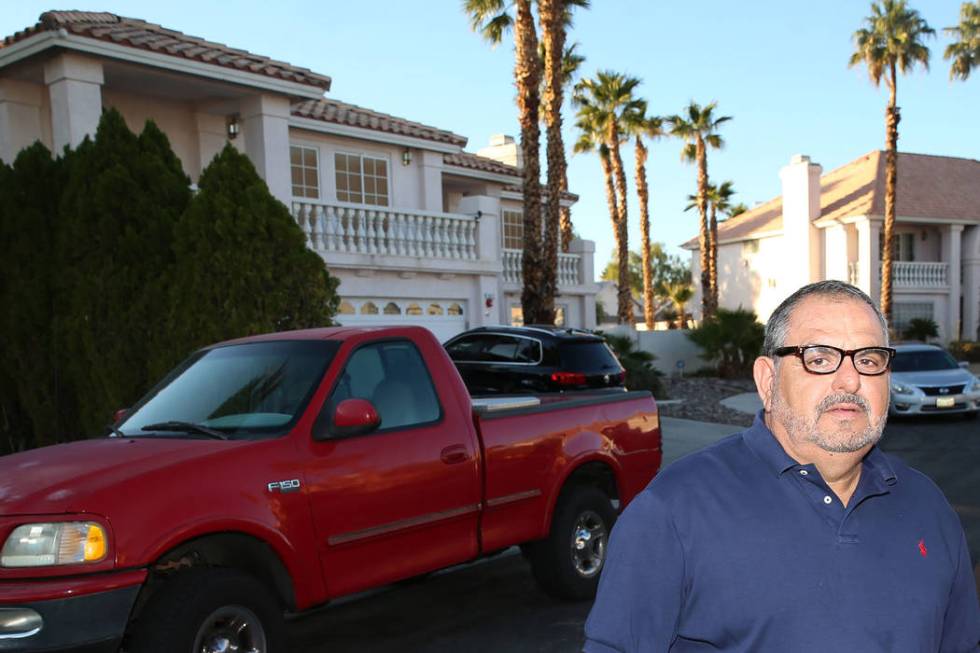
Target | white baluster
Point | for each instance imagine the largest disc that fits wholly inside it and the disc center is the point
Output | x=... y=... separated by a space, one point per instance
x=349 y=232
x=316 y=232
x=360 y=240
x=471 y=239
x=370 y=224
x=425 y=236
x=330 y=229
x=384 y=232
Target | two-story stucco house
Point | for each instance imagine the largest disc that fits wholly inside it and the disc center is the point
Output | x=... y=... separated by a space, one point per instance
x=416 y=229
x=829 y=226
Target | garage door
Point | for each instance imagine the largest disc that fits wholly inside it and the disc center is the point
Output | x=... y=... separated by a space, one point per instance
x=444 y=317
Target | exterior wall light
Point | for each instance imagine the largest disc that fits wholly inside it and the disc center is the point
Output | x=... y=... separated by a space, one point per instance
x=406 y=157
x=232 y=126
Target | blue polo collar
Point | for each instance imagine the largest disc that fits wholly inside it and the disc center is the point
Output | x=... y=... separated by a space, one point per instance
x=764 y=444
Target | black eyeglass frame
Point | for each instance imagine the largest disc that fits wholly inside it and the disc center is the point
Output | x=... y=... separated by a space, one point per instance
x=844 y=353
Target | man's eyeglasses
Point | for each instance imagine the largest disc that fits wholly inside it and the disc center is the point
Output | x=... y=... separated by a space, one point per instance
x=824 y=359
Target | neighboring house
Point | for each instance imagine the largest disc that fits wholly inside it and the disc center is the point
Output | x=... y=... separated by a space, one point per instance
x=608 y=297
x=830 y=227
x=417 y=230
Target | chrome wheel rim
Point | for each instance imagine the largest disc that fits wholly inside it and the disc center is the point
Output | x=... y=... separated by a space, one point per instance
x=231 y=629
x=589 y=544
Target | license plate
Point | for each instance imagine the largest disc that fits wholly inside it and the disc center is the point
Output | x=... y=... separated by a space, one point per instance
x=945 y=402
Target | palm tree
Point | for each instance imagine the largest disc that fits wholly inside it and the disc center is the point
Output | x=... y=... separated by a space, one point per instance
x=699 y=130
x=555 y=17
x=603 y=102
x=490 y=18
x=721 y=196
x=678 y=293
x=965 y=50
x=641 y=126
x=891 y=41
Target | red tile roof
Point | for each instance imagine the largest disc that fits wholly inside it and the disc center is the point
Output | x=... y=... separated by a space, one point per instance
x=136 y=33
x=939 y=187
x=482 y=163
x=342 y=113
x=486 y=164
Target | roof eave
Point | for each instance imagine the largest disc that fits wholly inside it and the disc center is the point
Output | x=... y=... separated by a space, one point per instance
x=336 y=129
x=38 y=43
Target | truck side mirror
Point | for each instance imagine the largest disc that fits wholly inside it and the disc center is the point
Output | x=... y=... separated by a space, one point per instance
x=119 y=414
x=351 y=417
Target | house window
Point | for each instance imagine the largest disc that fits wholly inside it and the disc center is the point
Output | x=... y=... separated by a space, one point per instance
x=305 y=168
x=905 y=312
x=391 y=308
x=346 y=308
x=361 y=179
x=513 y=230
x=903 y=246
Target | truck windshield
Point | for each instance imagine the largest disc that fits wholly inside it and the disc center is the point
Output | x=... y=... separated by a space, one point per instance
x=248 y=390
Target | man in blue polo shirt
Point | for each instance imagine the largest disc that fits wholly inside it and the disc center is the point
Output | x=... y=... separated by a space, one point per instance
x=798 y=534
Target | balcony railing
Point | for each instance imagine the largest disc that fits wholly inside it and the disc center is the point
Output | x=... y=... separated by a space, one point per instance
x=920 y=275
x=568 y=267
x=379 y=230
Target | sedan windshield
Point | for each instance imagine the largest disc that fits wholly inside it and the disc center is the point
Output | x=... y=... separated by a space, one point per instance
x=247 y=390
x=923 y=361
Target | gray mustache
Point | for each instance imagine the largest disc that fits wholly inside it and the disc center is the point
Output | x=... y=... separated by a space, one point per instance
x=842 y=398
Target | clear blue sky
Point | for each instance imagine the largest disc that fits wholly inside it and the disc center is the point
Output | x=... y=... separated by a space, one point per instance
x=779 y=67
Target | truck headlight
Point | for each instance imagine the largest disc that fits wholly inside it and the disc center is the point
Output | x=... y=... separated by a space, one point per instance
x=55 y=543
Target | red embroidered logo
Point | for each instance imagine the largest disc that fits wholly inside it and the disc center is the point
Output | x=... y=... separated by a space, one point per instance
x=922 y=548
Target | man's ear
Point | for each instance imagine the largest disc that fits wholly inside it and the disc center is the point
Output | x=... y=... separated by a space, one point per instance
x=764 y=373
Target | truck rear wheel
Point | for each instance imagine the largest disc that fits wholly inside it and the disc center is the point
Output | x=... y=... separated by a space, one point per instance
x=209 y=611
x=568 y=563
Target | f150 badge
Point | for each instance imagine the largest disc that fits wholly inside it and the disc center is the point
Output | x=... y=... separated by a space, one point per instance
x=291 y=485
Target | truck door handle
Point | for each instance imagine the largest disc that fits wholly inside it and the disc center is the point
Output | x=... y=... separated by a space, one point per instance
x=454 y=454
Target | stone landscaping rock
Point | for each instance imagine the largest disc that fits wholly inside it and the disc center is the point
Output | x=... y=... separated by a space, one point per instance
x=700 y=396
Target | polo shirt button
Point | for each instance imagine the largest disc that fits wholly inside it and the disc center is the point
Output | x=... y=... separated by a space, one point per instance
x=827 y=500
x=803 y=472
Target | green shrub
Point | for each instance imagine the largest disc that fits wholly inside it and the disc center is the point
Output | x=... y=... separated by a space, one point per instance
x=965 y=350
x=732 y=340
x=921 y=328
x=640 y=373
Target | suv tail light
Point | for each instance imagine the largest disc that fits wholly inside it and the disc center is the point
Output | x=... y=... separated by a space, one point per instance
x=568 y=378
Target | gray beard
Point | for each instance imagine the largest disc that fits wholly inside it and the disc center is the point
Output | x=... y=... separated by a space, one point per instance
x=802 y=428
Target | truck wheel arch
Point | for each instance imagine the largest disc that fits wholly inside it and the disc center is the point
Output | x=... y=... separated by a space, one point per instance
x=594 y=473
x=226 y=549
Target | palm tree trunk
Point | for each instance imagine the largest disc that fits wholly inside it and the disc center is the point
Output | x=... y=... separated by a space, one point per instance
x=892 y=117
x=703 y=234
x=643 y=193
x=527 y=74
x=623 y=271
x=566 y=217
x=553 y=36
x=624 y=295
x=713 y=258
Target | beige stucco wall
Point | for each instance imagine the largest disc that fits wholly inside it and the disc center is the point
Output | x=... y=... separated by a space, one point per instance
x=174 y=118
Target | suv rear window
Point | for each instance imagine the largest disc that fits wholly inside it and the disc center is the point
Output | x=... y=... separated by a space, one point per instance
x=587 y=356
x=494 y=348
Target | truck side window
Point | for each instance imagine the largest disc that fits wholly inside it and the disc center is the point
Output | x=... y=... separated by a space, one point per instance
x=394 y=378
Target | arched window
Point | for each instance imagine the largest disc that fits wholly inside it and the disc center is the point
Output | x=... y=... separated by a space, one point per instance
x=413 y=309
x=391 y=308
x=346 y=308
x=369 y=308
x=454 y=309
x=435 y=309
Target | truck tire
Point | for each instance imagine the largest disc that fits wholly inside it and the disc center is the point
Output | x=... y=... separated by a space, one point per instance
x=567 y=564
x=205 y=610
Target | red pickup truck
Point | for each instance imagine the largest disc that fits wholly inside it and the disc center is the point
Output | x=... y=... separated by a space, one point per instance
x=268 y=475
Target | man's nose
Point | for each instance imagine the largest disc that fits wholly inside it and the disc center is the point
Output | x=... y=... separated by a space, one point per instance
x=846 y=378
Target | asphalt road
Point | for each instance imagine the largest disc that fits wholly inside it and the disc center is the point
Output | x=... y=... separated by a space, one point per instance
x=494 y=605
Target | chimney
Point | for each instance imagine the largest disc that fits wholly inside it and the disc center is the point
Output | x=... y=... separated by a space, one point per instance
x=801 y=206
x=502 y=148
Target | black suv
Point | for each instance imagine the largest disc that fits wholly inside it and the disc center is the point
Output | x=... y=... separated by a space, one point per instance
x=495 y=360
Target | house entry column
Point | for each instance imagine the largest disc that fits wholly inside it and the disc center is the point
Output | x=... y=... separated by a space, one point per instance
x=869 y=258
x=266 y=131
x=971 y=284
x=75 y=88
x=20 y=117
x=952 y=255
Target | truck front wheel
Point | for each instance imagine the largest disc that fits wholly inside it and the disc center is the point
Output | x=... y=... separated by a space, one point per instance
x=209 y=611
x=567 y=564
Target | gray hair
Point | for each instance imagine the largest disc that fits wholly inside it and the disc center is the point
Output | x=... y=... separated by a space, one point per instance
x=778 y=323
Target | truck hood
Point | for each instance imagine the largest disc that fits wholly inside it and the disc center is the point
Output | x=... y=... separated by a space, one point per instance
x=65 y=477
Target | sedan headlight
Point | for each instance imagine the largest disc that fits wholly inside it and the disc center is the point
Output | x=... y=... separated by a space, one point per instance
x=902 y=388
x=56 y=543
x=974 y=386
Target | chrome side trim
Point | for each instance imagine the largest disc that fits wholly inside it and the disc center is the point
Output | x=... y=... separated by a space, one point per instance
x=401 y=524
x=511 y=498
